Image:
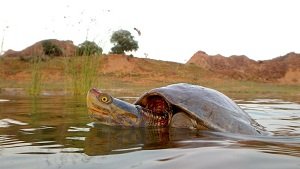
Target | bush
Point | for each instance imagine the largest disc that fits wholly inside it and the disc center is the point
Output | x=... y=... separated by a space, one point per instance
x=123 y=42
x=51 y=49
x=88 y=48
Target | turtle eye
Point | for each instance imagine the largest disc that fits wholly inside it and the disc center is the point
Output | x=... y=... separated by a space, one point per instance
x=105 y=98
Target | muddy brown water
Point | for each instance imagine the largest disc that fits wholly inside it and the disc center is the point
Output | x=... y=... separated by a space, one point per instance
x=56 y=132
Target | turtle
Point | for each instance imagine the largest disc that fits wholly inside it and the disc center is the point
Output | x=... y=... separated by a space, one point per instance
x=179 y=105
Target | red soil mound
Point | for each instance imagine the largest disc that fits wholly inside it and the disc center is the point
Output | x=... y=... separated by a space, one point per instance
x=67 y=47
x=284 y=68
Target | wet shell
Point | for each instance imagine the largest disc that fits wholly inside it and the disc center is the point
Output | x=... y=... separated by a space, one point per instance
x=207 y=106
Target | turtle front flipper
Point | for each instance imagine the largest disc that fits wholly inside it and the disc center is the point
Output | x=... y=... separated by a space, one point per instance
x=181 y=120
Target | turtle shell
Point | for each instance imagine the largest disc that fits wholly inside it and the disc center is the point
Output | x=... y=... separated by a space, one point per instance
x=207 y=106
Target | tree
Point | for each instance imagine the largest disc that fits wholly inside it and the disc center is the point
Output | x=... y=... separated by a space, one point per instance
x=123 y=42
x=51 y=49
x=88 y=48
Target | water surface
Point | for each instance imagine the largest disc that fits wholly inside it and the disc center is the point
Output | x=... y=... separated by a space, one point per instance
x=56 y=132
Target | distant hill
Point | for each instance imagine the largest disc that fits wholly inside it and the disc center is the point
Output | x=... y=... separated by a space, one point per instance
x=67 y=47
x=282 y=69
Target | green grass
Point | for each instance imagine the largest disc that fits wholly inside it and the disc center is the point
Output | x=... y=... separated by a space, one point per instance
x=250 y=89
x=36 y=77
x=82 y=72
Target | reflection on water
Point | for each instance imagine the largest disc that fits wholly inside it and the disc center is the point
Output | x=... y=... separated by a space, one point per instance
x=55 y=132
x=279 y=117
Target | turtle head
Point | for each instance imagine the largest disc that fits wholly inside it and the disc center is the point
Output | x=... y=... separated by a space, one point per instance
x=112 y=111
x=152 y=111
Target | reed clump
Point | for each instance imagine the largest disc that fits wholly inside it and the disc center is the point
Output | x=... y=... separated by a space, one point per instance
x=36 y=76
x=82 y=72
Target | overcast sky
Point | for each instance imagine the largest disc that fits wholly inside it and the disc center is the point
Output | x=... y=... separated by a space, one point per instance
x=170 y=29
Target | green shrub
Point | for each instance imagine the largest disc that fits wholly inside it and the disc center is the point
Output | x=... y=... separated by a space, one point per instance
x=51 y=49
x=88 y=48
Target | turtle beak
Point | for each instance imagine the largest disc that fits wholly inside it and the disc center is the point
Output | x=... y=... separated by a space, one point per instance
x=95 y=92
x=113 y=112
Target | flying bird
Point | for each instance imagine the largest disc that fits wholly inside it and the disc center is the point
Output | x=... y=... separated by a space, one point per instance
x=138 y=31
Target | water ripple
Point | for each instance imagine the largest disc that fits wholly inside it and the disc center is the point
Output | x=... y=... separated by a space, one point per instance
x=9 y=122
x=55 y=132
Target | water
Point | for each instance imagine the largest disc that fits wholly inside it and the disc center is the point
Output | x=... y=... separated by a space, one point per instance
x=55 y=132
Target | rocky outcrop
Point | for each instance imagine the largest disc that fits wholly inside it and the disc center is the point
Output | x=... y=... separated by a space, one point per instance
x=67 y=47
x=283 y=68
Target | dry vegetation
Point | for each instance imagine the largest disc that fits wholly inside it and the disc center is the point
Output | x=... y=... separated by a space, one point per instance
x=126 y=75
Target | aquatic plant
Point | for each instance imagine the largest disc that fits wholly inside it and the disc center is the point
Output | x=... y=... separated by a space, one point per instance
x=82 y=71
x=36 y=76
